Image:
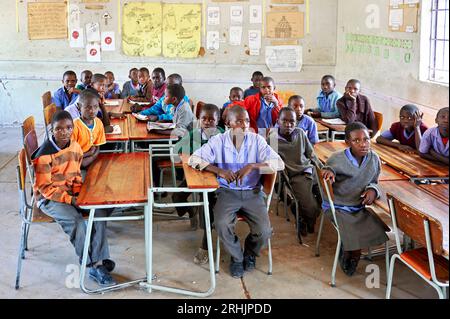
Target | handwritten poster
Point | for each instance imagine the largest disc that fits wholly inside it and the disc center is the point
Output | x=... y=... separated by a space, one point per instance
x=142 y=29
x=47 y=20
x=285 y=24
x=181 y=30
x=284 y=58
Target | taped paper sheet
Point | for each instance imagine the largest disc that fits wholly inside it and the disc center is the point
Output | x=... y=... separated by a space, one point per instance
x=213 y=15
x=93 y=52
x=108 y=41
x=255 y=14
x=47 y=20
x=93 y=32
x=235 y=35
x=396 y=18
x=236 y=14
x=212 y=40
x=74 y=16
x=285 y=58
x=76 y=39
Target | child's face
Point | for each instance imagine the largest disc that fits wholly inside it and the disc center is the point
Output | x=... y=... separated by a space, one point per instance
x=169 y=99
x=158 y=79
x=62 y=131
x=353 y=89
x=442 y=122
x=239 y=123
x=171 y=80
x=109 y=78
x=208 y=119
x=89 y=109
x=256 y=79
x=86 y=78
x=407 y=120
x=100 y=86
x=299 y=107
x=236 y=95
x=359 y=142
x=287 y=122
x=69 y=81
x=327 y=85
x=134 y=76
x=266 y=88
x=143 y=77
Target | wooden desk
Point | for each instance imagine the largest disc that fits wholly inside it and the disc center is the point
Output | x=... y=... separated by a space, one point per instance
x=337 y=128
x=114 y=180
x=420 y=200
x=126 y=107
x=114 y=108
x=410 y=164
x=439 y=191
x=324 y=151
x=121 y=139
x=196 y=179
x=138 y=133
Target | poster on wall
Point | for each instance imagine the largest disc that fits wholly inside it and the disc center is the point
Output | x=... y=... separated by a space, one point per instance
x=108 y=41
x=255 y=14
x=47 y=20
x=76 y=39
x=285 y=24
x=212 y=40
x=254 y=41
x=213 y=15
x=284 y=58
x=93 y=32
x=236 y=14
x=235 y=35
x=93 y=52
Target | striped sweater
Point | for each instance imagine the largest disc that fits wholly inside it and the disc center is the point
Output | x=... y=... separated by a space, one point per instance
x=57 y=172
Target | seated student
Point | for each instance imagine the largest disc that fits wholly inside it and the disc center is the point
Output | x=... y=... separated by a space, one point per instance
x=209 y=117
x=256 y=80
x=434 y=144
x=57 y=184
x=355 y=173
x=305 y=122
x=68 y=93
x=239 y=157
x=263 y=107
x=88 y=130
x=355 y=107
x=145 y=87
x=299 y=157
x=130 y=88
x=408 y=132
x=112 y=89
x=236 y=98
x=86 y=77
x=326 y=100
x=159 y=84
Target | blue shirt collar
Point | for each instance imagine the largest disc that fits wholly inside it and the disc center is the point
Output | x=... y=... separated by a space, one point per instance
x=353 y=160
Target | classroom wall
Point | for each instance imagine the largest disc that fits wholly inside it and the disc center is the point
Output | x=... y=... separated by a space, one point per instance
x=29 y=68
x=390 y=82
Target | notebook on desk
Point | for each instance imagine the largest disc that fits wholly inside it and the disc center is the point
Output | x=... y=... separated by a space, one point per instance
x=334 y=121
x=159 y=126
x=116 y=130
x=112 y=102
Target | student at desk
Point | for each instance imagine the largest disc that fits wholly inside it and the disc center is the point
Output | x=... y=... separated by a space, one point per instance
x=326 y=100
x=130 y=88
x=209 y=117
x=355 y=173
x=86 y=77
x=239 y=157
x=434 y=144
x=57 y=184
x=67 y=94
x=145 y=91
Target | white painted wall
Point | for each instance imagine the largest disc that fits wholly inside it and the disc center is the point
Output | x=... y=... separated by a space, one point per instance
x=390 y=83
x=29 y=68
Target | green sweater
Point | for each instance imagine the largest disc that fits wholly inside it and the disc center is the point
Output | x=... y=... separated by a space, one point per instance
x=194 y=140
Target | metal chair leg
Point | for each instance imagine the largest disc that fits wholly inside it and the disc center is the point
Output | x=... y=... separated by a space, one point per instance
x=390 y=276
x=270 y=257
x=336 y=257
x=217 y=255
x=279 y=193
x=387 y=258
x=161 y=181
x=319 y=235
x=285 y=204
x=21 y=254
x=297 y=223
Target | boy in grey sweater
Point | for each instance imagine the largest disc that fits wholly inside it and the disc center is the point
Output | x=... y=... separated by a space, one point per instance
x=355 y=173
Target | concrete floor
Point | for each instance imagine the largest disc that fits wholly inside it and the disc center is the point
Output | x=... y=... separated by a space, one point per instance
x=297 y=273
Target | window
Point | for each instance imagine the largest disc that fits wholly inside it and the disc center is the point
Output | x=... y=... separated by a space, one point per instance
x=438 y=64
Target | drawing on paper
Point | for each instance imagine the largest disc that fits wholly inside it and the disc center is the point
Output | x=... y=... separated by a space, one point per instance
x=283 y=29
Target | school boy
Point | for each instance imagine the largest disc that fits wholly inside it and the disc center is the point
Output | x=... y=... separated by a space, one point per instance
x=112 y=90
x=304 y=122
x=236 y=97
x=256 y=79
x=326 y=99
x=67 y=94
x=239 y=157
x=57 y=185
x=130 y=88
x=145 y=87
x=434 y=144
x=86 y=77
x=159 y=84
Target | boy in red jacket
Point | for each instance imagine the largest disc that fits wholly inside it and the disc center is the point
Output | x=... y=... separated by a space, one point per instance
x=263 y=108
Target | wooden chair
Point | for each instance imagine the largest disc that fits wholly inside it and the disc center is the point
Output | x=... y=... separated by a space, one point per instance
x=379 y=119
x=328 y=195
x=198 y=109
x=46 y=99
x=268 y=181
x=27 y=126
x=427 y=262
x=30 y=144
x=49 y=111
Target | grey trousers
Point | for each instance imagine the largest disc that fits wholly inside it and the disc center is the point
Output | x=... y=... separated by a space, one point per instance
x=253 y=207
x=73 y=224
x=302 y=185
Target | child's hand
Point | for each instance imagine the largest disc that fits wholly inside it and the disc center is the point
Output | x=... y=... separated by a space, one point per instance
x=314 y=114
x=270 y=98
x=109 y=129
x=406 y=149
x=328 y=175
x=229 y=176
x=418 y=119
x=152 y=118
x=73 y=202
x=369 y=196
x=349 y=94
x=74 y=90
x=240 y=174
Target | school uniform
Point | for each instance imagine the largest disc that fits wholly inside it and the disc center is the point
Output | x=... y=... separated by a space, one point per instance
x=159 y=92
x=162 y=110
x=299 y=159
x=88 y=136
x=129 y=90
x=62 y=99
x=145 y=91
x=397 y=132
x=358 y=110
x=261 y=113
x=82 y=86
x=246 y=197
x=57 y=180
x=309 y=126
x=326 y=104
x=251 y=91
x=358 y=228
x=432 y=139
x=115 y=90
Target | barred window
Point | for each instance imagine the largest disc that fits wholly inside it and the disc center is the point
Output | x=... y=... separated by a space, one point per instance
x=438 y=68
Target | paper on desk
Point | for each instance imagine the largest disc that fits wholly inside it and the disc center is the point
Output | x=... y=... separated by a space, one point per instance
x=112 y=102
x=140 y=103
x=116 y=130
x=334 y=121
x=140 y=117
x=160 y=126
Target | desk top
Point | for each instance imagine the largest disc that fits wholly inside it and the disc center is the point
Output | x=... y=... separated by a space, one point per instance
x=410 y=164
x=116 y=179
x=439 y=191
x=196 y=179
x=414 y=196
x=138 y=131
x=115 y=108
x=321 y=127
x=325 y=149
x=123 y=123
x=338 y=128
x=126 y=106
